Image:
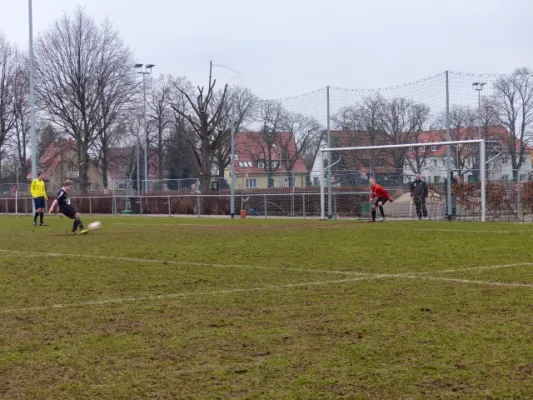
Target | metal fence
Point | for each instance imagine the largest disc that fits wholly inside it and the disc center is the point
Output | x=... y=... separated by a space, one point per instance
x=506 y=201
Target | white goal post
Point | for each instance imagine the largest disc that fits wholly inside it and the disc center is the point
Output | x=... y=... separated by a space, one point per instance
x=448 y=144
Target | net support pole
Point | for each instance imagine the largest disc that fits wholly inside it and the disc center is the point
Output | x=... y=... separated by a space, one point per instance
x=448 y=154
x=322 y=195
x=483 y=181
x=330 y=205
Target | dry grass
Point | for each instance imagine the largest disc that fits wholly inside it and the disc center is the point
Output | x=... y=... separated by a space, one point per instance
x=171 y=308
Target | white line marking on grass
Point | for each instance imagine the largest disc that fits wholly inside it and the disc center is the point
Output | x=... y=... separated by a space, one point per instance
x=464 y=230
x=191 y=294
x=468 y=281
x=451 y=271
x=169 y=224
x=192 y=263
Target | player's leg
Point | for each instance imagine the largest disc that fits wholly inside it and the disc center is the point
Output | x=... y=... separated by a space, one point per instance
x=80 y=223
x=36 y=215
x=41 y=211
x=382 y=201
x=374 y=211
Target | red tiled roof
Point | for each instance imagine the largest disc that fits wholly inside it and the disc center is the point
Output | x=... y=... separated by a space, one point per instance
x=52 y=157
x=251 y=147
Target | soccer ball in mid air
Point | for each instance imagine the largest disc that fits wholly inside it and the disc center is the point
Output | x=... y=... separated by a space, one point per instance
x=94 y=225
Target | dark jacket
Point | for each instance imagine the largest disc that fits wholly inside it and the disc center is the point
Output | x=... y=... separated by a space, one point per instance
x=419 y=189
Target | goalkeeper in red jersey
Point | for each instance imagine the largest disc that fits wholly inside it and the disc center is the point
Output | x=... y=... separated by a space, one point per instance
x=381 y=196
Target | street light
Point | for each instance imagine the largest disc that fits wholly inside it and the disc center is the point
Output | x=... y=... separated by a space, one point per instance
x=232 y=137
x=147 y=71
x=478 y=86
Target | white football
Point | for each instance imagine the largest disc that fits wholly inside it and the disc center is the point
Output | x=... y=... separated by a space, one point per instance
x=95 y=225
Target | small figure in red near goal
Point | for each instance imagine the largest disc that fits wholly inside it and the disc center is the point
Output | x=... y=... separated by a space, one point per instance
x=379 y=193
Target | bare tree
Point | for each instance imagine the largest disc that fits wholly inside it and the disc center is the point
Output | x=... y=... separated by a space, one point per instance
x=21 y=110
x=8 y=66
x=201 y=122
x=399 y=124
x=160 y=117
x=463 y=126
x=266 y=149
x=84 y=80
x=242 y=106
x=300 y=133
x=418 y=116
x=514 y=104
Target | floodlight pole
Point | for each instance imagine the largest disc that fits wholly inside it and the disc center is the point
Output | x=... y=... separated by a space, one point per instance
x=478 y=86
x=147 y=71
x=32 y=96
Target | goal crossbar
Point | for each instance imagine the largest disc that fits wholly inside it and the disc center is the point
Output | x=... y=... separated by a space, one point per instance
x=481 y=143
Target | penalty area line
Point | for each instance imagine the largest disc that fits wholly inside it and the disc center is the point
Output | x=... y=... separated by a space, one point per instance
x=191 y=263
x=190 y=294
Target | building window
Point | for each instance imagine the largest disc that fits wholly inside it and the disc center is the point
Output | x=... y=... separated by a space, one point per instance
x=505 y=160
x=434 y=148
x=424 y=149
x=434 y=163
x=523 y=177
x=411 y=149
x=443 y=162
x=251 y=183
x=260 y=164
x=505 y=177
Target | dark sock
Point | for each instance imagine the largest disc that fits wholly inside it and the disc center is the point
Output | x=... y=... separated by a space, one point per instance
x=41 y=217
x=80 y=224
x=35 y=216
x=373 y=214
x=382 y=213
x=75 y=225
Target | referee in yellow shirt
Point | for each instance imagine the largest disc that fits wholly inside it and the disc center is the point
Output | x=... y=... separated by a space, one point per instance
x=38 y=192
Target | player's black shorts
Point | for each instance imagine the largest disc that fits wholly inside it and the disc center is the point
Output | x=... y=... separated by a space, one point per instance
x=68 y=211
x=382 y=199
x=39 y=202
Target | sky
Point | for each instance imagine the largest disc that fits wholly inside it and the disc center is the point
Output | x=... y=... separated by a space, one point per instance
x=283 y=48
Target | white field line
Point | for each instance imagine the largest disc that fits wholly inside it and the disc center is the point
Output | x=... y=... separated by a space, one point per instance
x=172 y=262
x=507 y=232
x=464 y=230
x=193 y=294
x=169 y=224
x=423 y=275
x=468 y=281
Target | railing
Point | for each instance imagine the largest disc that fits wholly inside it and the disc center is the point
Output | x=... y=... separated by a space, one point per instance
x=505 y=202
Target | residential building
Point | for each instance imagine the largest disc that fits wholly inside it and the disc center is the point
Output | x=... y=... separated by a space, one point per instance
x=261 y=166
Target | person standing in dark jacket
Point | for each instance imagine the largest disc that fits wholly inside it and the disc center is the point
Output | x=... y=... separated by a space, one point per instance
x=419 y=194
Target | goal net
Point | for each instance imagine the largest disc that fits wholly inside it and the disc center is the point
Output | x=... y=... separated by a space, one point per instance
x=437 y=180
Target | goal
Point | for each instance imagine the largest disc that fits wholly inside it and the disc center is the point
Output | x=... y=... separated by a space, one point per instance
x=455 y=173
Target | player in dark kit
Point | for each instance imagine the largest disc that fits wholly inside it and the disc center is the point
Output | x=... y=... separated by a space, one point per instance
x=381 y=196
x=66 y=209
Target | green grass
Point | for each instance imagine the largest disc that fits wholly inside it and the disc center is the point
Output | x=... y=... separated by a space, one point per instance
x=265 y=309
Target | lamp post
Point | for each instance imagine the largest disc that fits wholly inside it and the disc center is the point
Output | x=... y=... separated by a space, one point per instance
x=232 y=133
x=32 y=95
x=478 y=86
x=147 y=71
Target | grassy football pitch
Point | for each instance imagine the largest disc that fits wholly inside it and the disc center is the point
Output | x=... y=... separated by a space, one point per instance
x=265 y=309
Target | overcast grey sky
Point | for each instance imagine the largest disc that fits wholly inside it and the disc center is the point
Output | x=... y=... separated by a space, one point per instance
x=289 y=47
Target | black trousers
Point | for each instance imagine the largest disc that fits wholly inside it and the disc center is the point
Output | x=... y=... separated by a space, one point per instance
x=420 y=204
